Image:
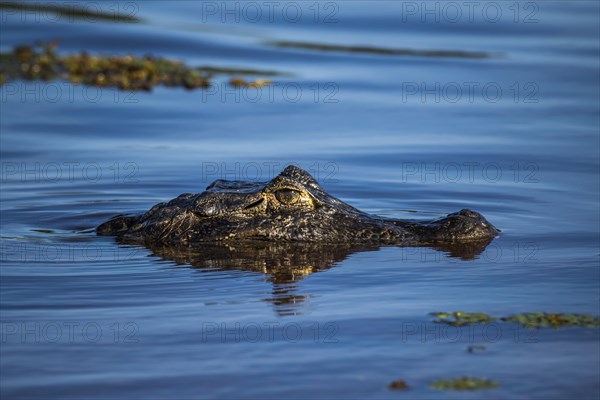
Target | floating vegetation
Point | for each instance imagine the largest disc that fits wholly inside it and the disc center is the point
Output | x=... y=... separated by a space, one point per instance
x=477 y=347
x=240 y=82
x=464 y=383
x=534 y=320
x=398 y=384
x=129 y=72
x=459 y=318
x=123 y=72
x=26 y=62
x=92 y=13
x=381 y=50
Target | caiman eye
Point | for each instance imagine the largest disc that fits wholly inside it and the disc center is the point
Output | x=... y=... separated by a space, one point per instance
x=288 y=196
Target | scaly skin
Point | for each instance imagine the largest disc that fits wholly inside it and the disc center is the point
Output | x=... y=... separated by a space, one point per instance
x=292 y=207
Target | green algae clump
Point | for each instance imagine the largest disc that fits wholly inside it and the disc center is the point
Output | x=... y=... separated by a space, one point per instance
x=259 y=83
x=30 y=63
x=464 y=383
x=460 y=318
x=398 y=384
x=536 y=320
x=125 y=72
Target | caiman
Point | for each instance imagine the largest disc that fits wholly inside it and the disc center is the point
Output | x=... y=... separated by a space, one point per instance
x=292 y=207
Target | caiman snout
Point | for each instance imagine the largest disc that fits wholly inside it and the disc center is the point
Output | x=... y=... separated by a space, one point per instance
x=463 y=225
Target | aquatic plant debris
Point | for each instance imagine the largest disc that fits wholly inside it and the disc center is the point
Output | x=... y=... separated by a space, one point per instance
x=538 y=320
x=459 y=318
x=398 y=384
x=477 y=347
x=534 y=320
x=381 y=50
x=74 y=11
x=464 y=383
x=240 y=82
x=126 y=72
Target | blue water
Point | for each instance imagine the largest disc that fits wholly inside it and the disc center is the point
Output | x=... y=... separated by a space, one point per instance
x=514 y=136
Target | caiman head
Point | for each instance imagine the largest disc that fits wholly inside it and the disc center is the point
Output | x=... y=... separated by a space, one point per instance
x=290 y=207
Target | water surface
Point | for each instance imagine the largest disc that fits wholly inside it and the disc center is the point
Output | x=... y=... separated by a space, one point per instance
x=513 y=136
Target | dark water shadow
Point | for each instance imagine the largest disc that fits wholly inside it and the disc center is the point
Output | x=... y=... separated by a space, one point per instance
x=284 y=263
x=380 y=50
x=90 y=12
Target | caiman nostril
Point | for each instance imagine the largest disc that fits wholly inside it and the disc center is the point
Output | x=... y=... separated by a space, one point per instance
x=256 y=203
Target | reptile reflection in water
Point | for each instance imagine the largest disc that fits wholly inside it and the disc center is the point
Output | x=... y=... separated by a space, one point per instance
x=284 y=263
x=286 y=228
